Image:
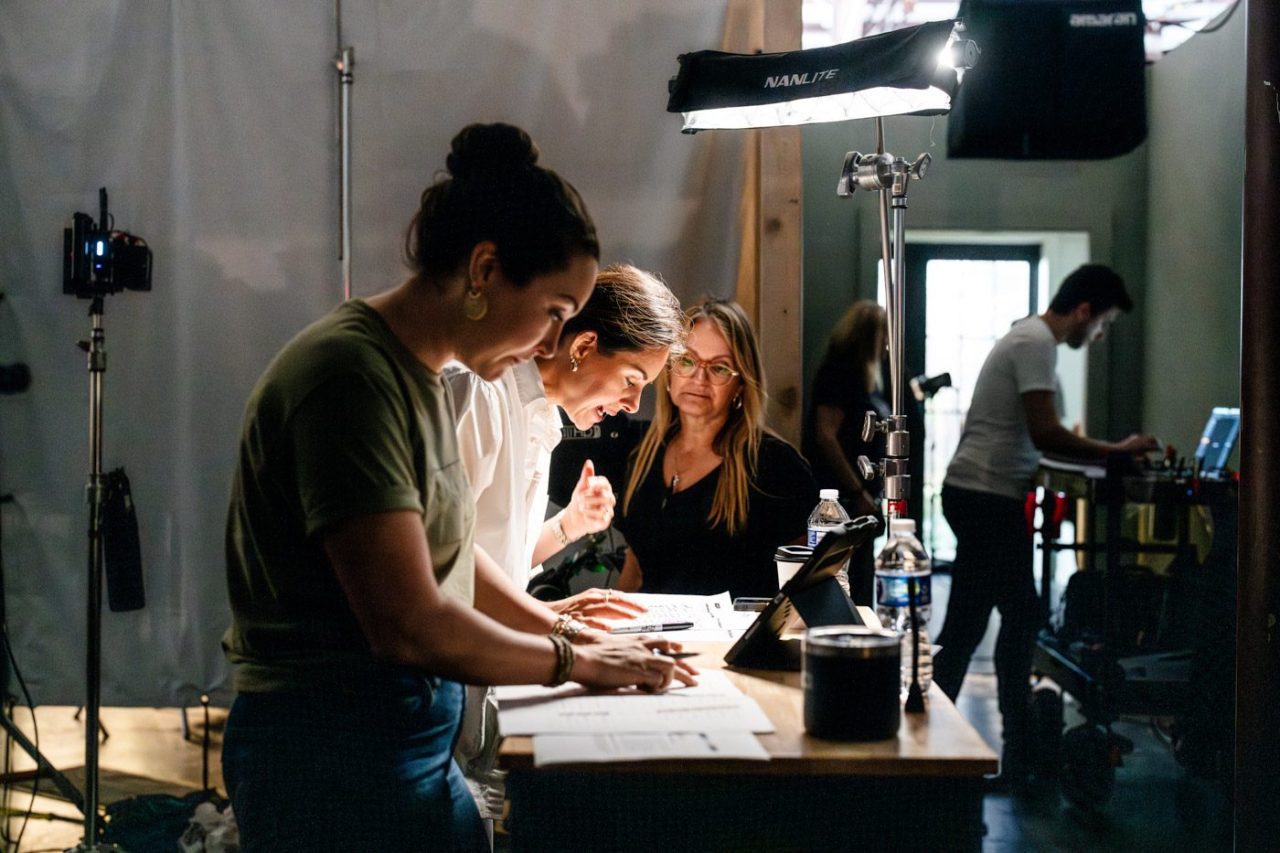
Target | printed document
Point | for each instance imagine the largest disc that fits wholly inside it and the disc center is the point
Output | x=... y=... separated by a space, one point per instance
x=641 y=746
x=712 y=705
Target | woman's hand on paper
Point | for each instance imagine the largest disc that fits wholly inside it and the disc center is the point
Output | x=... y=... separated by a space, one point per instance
x=595 y=606
x=615 y=662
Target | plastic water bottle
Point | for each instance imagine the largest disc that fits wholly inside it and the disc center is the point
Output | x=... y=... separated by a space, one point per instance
x=901 y=560
x=829 y=515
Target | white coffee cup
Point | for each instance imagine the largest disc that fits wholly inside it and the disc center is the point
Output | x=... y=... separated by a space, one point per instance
x=789 y=559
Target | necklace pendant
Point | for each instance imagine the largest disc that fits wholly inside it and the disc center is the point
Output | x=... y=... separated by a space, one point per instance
x=675 y=481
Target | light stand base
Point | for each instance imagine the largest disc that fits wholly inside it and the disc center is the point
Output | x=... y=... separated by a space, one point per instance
x=915 y=699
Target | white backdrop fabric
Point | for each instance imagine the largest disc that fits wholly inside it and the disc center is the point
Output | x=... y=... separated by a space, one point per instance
x=213 y=127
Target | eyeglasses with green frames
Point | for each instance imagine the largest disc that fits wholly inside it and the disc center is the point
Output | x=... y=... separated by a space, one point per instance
x=718 y=373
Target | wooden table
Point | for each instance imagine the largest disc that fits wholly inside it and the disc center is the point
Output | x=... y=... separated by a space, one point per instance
x=920 y=789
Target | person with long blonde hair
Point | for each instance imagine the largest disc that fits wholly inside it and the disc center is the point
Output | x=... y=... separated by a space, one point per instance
x=712 y=492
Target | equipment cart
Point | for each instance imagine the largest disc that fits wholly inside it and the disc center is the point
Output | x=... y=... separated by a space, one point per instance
x=1132 y=640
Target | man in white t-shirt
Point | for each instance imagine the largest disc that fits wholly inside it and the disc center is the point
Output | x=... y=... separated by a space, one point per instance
x=1015 y=416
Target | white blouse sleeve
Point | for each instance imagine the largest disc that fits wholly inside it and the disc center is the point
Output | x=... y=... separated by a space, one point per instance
x=478 y=407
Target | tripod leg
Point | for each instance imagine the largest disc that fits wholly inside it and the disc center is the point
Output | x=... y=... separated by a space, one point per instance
x=101 y=726
x=42 y=764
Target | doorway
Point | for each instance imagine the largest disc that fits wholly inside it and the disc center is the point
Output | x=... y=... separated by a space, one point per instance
x=960 y=299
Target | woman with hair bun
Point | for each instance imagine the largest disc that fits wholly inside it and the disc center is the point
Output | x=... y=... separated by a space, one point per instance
x=359 y=604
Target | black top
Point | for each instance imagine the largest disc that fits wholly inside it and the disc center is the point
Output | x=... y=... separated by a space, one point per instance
x=679 y=553
x=843 y=387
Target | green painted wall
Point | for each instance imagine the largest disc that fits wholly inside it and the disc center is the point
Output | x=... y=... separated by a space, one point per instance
x=1166 y=216
x=1196 y=157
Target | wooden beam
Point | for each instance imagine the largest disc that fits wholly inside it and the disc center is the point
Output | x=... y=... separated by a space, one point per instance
x=780 y=229
x=1257 y=683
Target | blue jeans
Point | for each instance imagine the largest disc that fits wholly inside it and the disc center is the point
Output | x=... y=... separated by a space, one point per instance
x=370 y=769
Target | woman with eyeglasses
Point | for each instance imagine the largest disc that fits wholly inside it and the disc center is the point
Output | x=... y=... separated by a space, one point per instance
x=712 y=493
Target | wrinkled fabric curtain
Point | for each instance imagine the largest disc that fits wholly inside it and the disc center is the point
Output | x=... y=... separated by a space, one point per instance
x=214 y=128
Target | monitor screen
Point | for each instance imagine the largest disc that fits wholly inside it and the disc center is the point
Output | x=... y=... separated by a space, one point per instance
x=1218 y=440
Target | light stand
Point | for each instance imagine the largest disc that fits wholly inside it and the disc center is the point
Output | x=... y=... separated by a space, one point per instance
x=343 y=64
x=98 y=260
x=924 y=388
x=97 y=364
x=914 y=70
x=890 y=176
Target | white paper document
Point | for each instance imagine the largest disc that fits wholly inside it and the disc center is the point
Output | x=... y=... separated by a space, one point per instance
x=713 y=705
x=645 y=746
x=713 y=616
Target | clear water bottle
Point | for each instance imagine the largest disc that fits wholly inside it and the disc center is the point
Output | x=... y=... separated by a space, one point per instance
x=902 y=560
x=826 y=516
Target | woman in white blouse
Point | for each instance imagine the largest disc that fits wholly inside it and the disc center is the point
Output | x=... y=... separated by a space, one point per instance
x=618 y=343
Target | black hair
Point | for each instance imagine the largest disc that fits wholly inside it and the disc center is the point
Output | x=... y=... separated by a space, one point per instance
x=495 y=190
x=1099 y=285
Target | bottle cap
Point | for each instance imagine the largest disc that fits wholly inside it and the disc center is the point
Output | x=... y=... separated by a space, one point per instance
x=829 y=494
x=902 y=525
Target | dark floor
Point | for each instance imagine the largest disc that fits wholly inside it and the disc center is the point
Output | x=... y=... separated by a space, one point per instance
x=1155 y=806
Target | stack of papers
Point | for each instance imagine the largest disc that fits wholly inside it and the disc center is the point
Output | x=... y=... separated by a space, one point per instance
x=713 y=719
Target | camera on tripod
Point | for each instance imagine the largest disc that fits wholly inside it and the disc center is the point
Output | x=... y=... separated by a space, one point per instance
x=98 y=260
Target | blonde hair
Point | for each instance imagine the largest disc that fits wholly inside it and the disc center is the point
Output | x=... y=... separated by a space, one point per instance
x=738 y=442
x=859 y=338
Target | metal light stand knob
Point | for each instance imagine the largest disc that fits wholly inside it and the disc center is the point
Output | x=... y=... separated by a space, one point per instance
x=870 y=426
x=867 y=469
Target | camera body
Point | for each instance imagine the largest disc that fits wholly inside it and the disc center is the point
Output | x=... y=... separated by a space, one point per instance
x=97 y=260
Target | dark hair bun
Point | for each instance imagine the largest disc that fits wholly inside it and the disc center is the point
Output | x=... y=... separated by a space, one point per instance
x=488 y=148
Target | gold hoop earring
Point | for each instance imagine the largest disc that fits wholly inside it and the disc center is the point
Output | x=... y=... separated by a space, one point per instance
x=475 y=305
x=573 y=364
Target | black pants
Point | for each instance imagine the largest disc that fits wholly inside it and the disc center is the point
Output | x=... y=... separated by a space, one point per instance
x=992 y=569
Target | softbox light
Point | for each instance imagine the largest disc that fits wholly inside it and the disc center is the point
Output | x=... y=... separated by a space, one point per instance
x=908 y=71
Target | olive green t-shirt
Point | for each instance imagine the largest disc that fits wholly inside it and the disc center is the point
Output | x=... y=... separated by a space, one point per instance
x=345 y=422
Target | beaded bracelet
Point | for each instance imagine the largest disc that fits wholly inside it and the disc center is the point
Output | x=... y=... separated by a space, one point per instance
x=568 y=627
x=572 y=629
x=564 y=660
